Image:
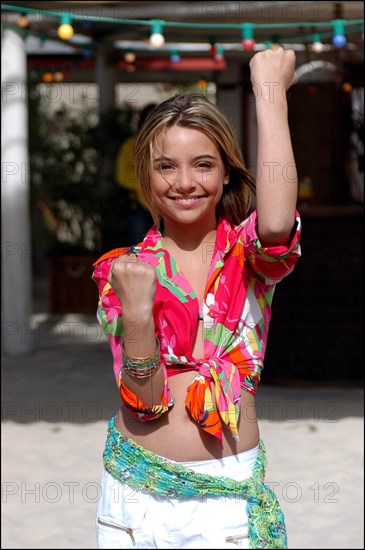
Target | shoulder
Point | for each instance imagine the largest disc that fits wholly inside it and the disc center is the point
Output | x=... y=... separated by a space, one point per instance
x=230 y=235
x=102 y=268
x=103 y=264
x=113 y=254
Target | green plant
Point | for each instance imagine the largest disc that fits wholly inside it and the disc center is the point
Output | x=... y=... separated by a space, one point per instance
x=72 y=155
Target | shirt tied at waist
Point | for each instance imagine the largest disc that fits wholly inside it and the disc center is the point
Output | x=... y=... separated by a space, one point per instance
x=206 y=411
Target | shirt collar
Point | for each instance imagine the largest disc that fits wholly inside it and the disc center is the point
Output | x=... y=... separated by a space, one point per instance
x=152 y=251
x=225 y=239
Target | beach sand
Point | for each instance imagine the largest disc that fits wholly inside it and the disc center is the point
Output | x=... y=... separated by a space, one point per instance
x=55 y=408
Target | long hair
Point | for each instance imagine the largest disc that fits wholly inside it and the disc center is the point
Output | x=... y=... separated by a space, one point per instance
x=193 y=110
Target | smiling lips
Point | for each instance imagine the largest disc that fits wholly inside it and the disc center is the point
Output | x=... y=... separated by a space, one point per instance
x=187 y=200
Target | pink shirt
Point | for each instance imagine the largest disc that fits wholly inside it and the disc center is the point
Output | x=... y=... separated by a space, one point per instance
x=236 y=315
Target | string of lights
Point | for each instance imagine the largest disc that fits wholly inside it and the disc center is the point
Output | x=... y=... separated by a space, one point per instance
x=315 y=36
x=338 y=28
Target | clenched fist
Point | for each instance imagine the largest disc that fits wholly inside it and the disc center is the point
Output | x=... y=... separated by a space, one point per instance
x=272 y=72
x=134 y=283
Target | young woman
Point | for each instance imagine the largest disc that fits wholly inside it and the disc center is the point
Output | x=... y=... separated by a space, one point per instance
x=187 y=313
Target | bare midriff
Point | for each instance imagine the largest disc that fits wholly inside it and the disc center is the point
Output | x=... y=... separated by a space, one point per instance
x=177 y=436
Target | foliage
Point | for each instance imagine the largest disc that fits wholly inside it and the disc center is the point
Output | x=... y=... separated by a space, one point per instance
x=72 y=156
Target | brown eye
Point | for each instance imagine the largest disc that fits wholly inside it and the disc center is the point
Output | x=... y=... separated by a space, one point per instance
x=163 y=167
x=205 y=166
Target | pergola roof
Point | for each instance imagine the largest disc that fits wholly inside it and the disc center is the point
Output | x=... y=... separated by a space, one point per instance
x=204 y=15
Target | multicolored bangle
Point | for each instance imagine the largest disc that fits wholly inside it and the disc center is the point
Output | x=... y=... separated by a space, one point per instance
x=142 y=367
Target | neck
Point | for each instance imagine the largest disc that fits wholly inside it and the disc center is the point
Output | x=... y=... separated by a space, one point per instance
x=189 y=237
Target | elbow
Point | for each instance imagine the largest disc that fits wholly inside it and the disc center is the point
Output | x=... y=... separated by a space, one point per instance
x=276 y=229
x=275 y=236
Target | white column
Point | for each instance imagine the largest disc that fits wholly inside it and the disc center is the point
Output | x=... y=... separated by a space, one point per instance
x=15 y=250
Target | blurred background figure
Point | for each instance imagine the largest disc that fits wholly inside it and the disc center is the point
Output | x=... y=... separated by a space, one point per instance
x=138 y=219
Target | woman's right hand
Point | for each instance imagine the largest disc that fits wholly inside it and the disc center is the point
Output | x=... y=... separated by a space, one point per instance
x=134 y=283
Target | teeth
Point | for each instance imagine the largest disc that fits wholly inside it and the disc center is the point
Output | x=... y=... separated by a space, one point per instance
x=187 y=200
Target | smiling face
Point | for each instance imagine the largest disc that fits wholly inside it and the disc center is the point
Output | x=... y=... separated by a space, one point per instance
x=163 y=137
x=187 y=177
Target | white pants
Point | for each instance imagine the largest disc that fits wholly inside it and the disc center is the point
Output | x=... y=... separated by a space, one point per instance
x=130 y=519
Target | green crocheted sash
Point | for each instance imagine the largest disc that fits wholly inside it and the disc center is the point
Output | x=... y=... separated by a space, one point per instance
x=144 y=471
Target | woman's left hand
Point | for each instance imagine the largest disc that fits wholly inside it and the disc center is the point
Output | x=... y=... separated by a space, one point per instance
x=272 y=70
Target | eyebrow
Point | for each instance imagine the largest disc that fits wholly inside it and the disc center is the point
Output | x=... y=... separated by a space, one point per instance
x=199 y=157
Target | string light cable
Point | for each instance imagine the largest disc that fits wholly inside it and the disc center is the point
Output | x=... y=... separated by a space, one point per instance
x=338 y=29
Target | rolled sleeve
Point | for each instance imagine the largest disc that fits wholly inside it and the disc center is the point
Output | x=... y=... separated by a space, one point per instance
x=272 y=263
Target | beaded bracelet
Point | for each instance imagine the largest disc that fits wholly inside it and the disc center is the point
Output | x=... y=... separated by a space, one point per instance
x=142 y=367
x=141 y=372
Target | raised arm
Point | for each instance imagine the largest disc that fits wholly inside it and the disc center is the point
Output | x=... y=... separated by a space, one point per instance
x=272 y=73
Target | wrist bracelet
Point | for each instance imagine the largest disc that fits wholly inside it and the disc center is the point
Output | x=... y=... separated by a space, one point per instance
x=142 y=367
x=142 y=373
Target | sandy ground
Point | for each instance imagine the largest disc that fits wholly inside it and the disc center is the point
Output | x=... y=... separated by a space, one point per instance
x=55 y=408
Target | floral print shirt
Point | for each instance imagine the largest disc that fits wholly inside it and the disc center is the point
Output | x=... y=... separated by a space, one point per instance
x=236 y=315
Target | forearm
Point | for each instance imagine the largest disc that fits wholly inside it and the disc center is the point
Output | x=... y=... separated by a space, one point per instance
x=141 y=342
x=276 y=181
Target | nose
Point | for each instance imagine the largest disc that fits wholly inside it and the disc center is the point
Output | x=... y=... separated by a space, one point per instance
x=185 y=181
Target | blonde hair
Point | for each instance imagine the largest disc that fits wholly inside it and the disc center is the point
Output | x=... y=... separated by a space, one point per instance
x=193 y=110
